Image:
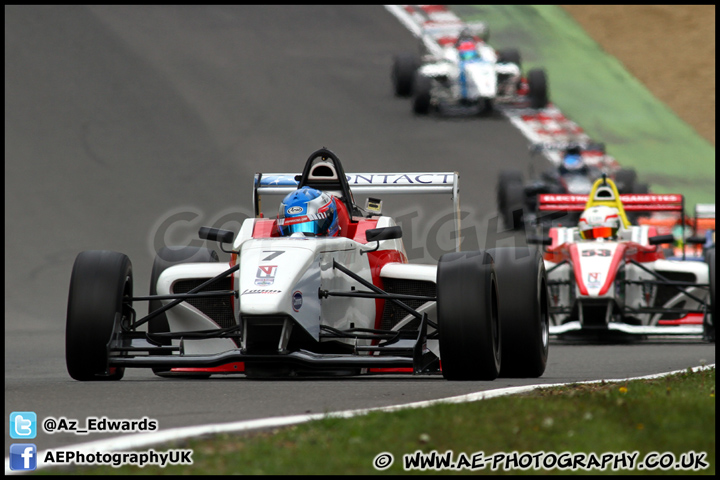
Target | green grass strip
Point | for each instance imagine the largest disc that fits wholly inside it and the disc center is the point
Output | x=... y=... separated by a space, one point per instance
x=593 y=89
x=672 y=414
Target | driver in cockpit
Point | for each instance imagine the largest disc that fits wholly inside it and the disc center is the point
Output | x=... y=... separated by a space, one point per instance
x=308 y=212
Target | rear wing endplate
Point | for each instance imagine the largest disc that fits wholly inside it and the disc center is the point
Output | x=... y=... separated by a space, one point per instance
x=705 y=210
x=370 y=184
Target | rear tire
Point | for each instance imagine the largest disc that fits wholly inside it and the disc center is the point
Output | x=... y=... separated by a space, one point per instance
x=99 y=283
x=468 y=321
x=422 y=96
x=165 y=258
x=510 y=198
x=709 y=323
x=404 y=67
x=625 y=180
x=537 y=84
x=640 y=189
x=523 y=311
x=510 y=55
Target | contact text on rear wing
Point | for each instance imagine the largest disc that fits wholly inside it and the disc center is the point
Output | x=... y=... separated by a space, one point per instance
x=370 y=184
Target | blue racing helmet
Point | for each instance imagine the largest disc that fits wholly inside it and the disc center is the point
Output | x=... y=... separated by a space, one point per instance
x=467 y=51
x=572 y=162
x=308 y=211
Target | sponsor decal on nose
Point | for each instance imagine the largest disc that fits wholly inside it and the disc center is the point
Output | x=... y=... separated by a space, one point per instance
x=297 y=300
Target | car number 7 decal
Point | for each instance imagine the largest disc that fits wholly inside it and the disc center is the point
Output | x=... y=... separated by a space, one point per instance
x=273 y=254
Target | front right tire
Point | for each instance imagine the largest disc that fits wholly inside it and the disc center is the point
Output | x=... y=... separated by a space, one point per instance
x=100 y=288
x=422 y=95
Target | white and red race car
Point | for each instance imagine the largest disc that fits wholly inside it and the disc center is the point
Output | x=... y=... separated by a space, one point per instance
x=311 y=305
x=624 y=285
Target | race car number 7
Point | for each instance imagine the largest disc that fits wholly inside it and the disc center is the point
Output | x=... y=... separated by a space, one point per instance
x=273 y=254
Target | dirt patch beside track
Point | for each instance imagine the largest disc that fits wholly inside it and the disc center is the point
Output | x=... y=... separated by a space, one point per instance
x=670 y=48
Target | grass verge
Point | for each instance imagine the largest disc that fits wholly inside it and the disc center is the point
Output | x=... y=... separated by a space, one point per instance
x=595 y=90
x=672 y=414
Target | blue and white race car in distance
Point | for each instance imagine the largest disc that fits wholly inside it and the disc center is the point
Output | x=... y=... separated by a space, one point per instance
x=466 y=73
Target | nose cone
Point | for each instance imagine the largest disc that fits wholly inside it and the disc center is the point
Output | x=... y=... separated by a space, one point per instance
x=268 y=273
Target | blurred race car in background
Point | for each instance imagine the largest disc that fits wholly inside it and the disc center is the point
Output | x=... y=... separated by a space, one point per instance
x=581 y=164
x=693 y=236
x=321 y=287
x=609 y=278
x=465 y=72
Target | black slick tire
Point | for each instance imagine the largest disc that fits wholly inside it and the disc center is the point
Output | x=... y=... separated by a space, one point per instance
x=523 y=311
x=709 y=323
x=468 y=322
x=625 y=179
x=403 y=73
x=99 y=282
x=538 y=88
x=509 y=55
x=511 y=198
x=422 y=95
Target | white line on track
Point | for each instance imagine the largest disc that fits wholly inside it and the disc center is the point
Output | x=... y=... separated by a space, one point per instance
x=142 y=440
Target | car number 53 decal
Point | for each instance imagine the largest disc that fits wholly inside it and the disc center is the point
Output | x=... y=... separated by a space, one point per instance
x=600 y=252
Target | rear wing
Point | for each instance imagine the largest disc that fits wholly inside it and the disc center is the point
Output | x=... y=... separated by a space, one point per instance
x=370 y=184
x=632 y=202
x=449 y=32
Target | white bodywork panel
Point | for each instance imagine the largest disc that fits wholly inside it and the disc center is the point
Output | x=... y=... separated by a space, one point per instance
x=481 y=80
x=481 y=75
x=282 y=276
x=595 y=269
x=184 y=317
x=427 y=273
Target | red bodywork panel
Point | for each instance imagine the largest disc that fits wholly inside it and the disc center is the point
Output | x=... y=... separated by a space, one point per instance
x=689 y=319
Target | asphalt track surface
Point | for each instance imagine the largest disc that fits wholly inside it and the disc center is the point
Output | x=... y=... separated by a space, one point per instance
x=126 y=127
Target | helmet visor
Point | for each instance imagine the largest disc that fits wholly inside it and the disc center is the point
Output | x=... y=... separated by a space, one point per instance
x=573 y=161
x=316 y=226
x=598 y=232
